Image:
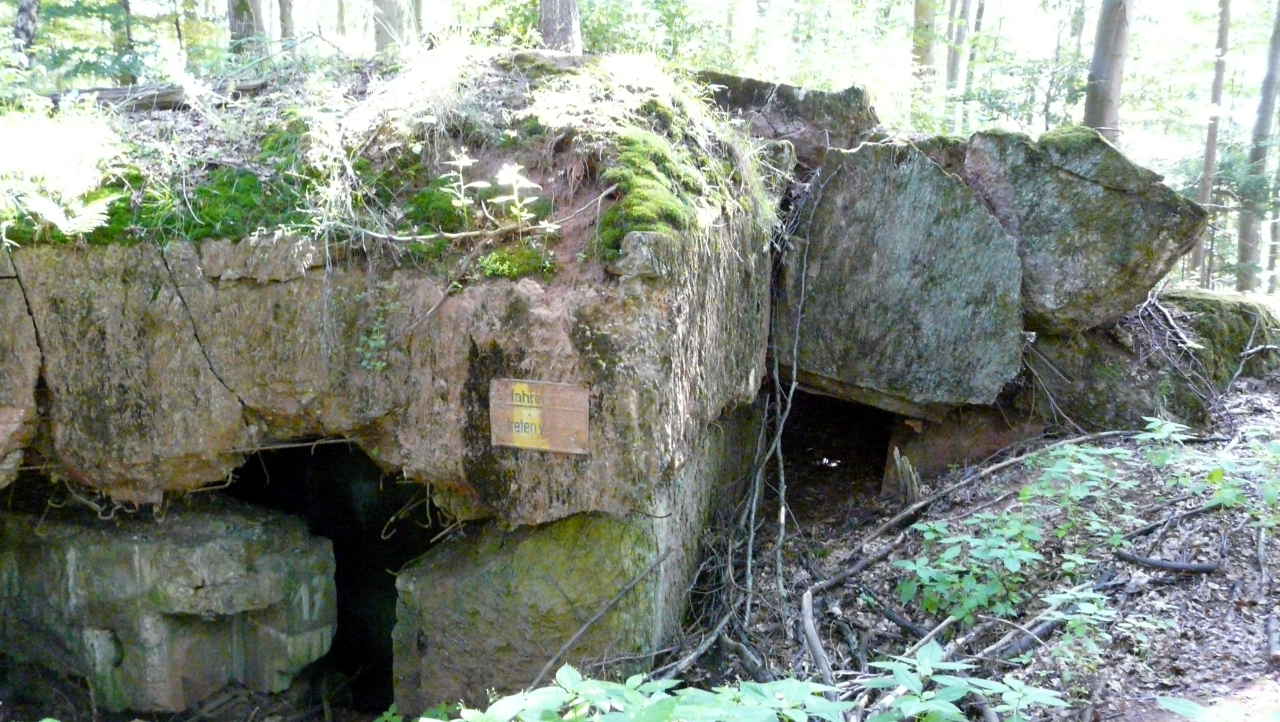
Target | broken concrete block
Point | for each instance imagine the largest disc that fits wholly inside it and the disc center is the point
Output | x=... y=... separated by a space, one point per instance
x=158 y=615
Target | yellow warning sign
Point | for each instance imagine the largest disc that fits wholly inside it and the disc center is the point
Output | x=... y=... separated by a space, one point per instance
x=539 y=415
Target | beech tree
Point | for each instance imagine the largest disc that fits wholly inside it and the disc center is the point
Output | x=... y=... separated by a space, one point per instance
x=24 y=27
x=561 y=25
x=1205 y=193
x=388 y=23
x=1106 y=73
x=922 y=36
x=244 y=19
x=286 y=20
x=1254 y=189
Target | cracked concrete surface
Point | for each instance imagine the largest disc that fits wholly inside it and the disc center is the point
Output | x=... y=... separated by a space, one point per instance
x=20 y=362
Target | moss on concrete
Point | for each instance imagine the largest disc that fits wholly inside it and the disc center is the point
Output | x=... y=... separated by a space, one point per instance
x=657 y=184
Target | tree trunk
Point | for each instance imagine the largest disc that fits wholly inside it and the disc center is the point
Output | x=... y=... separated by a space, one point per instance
x=342 y=18
x=24 y=27
x=951 y=41
x=177 y=28
x=922 y=36
x=388 y=24
x=973 y=62
x=1254 y=191
x=560 y=25
x=1274 y=250
x=122 y=45
x=1102 y=100
x=244 y=18
x=286 y=22
x=1205 y=194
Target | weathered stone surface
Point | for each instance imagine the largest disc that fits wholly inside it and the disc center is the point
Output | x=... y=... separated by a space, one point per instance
x=491 y=609
x=1113 y=377
x=19 y=371
x=158 y=616
x=134 y=407
x=909 y=287
x=1099 y=380
x=1095 y=232
x=1226 y=325
x=811 y=120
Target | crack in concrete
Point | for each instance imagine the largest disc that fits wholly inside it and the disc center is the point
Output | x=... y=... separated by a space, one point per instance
x=195 y=332
x=35 y=327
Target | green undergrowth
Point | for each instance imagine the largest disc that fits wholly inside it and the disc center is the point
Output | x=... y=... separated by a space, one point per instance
x=386 y=163
x=517 y=260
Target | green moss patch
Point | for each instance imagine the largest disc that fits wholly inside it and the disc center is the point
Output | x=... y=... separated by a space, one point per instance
x=1226 y=325
x=516 y=260
x=657 y=185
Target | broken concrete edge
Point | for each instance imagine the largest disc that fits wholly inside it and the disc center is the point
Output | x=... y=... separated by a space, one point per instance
x=158 y=617
x=21 y=363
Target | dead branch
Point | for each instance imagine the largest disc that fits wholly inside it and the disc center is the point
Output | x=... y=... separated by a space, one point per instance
x=1144 y=530
x=753 y=663
x=687 y=661
x=1163 y=564
x=811 y=640
x=133 y=98
x=892 y=614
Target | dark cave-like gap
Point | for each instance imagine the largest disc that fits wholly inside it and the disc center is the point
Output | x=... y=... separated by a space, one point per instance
x=835 y=453
x=345 y=497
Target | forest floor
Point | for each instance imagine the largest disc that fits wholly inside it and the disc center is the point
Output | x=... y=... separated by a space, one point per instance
x=1026 y=558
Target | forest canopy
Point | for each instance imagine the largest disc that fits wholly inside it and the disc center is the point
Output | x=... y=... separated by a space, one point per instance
x=931 y=66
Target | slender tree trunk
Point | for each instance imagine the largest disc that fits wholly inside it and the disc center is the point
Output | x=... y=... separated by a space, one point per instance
x=1205 y=194
x=177 y=27
x=972 y=63
x=342 y=17
x=1056 y=81
x=1254 y=191
x=418 y=29
x=244 y=18
x=1274 y=248
x=24 y=27
x=123 y=47
x=952 y=50
x=286 y=22
x=922 y=37
x=388 y=24
x=561 y=26
x=1106 y=73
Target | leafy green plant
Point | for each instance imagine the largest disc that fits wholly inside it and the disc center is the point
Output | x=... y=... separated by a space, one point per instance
x=372 y=346
x=390 y=715
x=932 y=697
x=964 y=574
x=458 y=188
x=1073 y=477
x=574 y=698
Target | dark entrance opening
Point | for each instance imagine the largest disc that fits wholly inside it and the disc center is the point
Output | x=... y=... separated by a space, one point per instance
x=835 y=453
x=344 y=496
